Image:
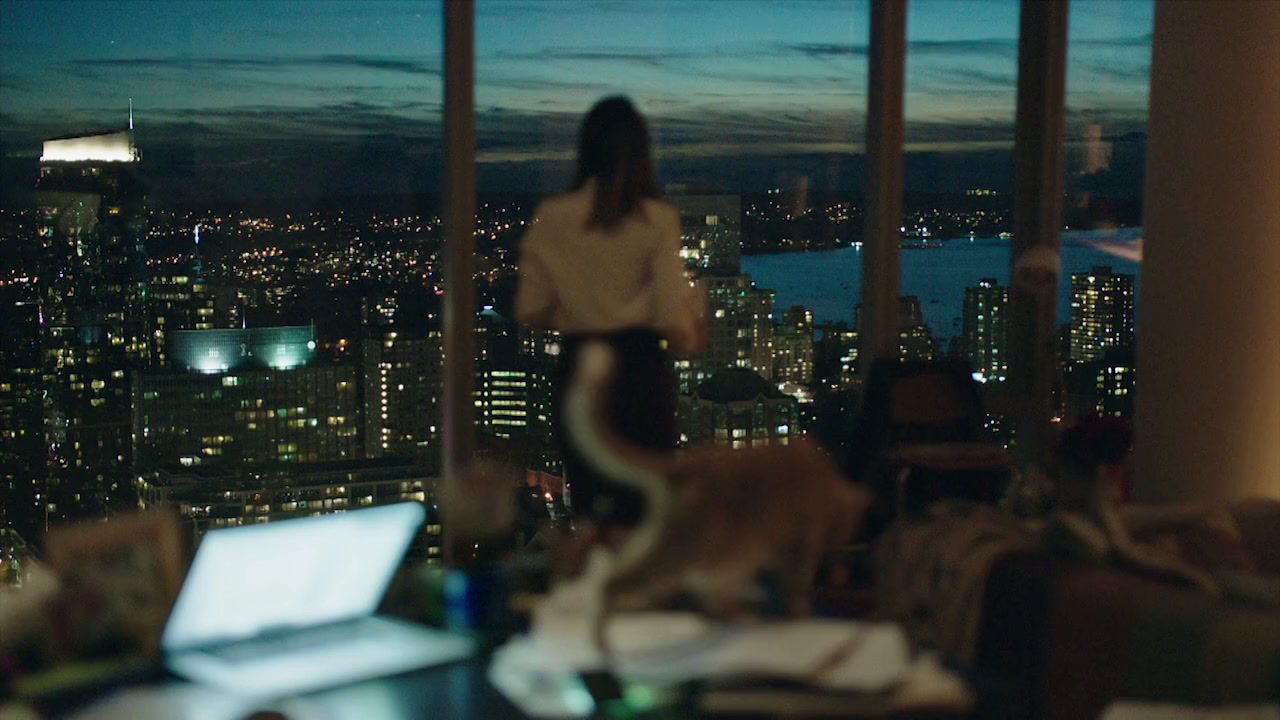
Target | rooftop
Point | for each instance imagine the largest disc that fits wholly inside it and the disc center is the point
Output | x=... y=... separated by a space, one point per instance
x=114 y=146
x=737 y=385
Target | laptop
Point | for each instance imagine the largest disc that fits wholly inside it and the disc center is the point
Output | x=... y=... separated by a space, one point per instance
x=284 y=607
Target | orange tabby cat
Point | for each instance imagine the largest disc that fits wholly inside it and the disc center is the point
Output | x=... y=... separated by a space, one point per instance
x=717 y=518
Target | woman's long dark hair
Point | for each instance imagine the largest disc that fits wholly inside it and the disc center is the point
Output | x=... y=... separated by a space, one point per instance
x=613 y=148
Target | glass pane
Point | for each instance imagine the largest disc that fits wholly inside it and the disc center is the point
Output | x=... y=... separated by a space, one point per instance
x=961 y=98
x=230 y=209
x=1108 y=79
x=755 y=110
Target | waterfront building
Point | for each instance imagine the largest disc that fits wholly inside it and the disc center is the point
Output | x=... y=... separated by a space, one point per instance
x=986 y=332
x=1101 y=313
x=793 y=348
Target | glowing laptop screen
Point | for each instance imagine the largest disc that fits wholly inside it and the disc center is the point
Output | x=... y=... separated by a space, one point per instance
x=294 y=573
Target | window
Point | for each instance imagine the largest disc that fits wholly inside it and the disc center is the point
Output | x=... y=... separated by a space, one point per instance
x=293 y=152
x=288 y=150
x=719 y=83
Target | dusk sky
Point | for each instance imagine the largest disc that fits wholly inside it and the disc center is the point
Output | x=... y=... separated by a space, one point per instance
x=256 y=97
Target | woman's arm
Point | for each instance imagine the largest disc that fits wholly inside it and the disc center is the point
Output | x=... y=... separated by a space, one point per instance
x=681 y=310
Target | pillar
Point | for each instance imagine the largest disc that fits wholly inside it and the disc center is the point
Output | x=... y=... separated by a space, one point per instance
x=1208 y=395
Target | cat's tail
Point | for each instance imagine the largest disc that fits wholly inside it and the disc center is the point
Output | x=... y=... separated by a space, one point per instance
x=644 y=470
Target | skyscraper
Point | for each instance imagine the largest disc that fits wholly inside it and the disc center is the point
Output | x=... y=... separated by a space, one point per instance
x=402 y=372
x=986 y=338
x=1101 y=313
x=93 y=317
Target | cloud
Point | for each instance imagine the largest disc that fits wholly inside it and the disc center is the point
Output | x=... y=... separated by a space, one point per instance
x=1001 y=47
x=991 y=46
x=824 y=50
x=649 y=57
x=540 y=84
x=966 y=78
x=1126 y=74
x=1137 y=42
x=281 y=62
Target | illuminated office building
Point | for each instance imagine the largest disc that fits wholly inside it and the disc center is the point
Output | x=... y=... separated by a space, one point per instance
x=245 y=398
x=986 y=338
x=209 y=498
x=513 y=384
x=1101 y=313
x=740 y=331
x=94 y=319
x=539 y=355
x=793 y=348
x=503 y=383
x=711 y=232
x=738 y=408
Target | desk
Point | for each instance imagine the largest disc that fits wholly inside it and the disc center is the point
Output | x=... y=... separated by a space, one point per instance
x=447 y=692
x=458 y=691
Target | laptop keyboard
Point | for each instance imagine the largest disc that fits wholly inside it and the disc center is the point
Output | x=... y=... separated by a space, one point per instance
x=302 y=639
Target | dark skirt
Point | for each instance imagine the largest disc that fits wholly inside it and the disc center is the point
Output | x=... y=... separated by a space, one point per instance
x=641 y=408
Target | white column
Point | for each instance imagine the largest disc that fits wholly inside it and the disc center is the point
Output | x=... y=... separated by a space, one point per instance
x=1208 y=403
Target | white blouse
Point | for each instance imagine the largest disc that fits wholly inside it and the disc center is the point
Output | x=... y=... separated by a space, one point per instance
x=577 y=279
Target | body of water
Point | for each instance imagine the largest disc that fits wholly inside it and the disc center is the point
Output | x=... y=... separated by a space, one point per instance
x=830 y=282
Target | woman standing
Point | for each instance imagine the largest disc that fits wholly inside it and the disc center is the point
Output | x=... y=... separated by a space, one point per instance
x=602 y=262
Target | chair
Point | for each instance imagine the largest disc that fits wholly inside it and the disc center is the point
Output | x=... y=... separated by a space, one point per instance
x=919 y=439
